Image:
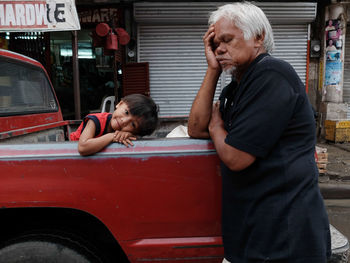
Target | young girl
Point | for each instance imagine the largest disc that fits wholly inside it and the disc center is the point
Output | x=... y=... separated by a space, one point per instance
x=134 y=115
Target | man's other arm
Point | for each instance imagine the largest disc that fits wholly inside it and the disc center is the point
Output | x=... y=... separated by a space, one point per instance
x=233 y=158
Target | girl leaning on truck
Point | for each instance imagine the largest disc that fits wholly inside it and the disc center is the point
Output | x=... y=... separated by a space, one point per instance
x=134 y=115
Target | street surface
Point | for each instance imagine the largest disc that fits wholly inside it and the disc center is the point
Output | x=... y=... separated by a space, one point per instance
x=339 y=215
x=337 y=181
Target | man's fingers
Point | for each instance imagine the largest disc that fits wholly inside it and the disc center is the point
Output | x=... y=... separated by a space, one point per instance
x=209 y=31
x=216 y=105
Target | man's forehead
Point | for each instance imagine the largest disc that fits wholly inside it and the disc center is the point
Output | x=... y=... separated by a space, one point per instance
x=224 y=27
x=224 y=21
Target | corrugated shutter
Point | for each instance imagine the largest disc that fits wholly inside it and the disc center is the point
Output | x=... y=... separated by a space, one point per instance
x=346 y=86
x=177 y=62
x=197 y=12
x=291 y=45
x=136 y=79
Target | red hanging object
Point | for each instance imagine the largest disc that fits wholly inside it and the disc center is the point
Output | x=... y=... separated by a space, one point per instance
x=102 y=29
x=111 y=41
x=111 y=38
x=124 y=37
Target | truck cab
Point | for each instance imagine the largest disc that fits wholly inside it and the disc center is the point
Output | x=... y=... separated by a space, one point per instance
x=28 y=103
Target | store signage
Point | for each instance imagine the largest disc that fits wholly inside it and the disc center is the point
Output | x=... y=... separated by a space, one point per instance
x=96 y=15
x=49 y=15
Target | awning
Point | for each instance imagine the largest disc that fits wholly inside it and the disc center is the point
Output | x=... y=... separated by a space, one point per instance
x=38 y=15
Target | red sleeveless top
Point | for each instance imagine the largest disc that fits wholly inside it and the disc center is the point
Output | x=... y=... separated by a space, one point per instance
x=101 y=121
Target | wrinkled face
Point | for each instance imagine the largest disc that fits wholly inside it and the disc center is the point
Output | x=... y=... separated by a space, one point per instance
x=123 y=120
x=233 y=52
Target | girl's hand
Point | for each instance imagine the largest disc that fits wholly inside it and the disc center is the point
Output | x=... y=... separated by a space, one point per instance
x=124 y=138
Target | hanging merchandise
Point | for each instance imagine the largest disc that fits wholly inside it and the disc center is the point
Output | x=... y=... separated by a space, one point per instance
x=111 y=41
x=102 y=29
x=108 y=37
x=124 y=37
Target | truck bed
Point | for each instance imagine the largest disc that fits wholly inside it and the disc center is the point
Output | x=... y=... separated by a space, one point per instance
x=159 y=199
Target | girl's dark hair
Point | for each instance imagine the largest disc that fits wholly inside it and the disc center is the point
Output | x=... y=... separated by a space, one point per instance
x=144 y=108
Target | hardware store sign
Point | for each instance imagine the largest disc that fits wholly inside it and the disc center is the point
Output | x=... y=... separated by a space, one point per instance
x=49 y=15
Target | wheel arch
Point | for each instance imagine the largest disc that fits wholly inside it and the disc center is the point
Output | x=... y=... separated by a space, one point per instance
x=15 y=221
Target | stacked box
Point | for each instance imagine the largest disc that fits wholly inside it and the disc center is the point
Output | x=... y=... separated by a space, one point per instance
x=337 y=131
x=321 y=159
x=333 y=111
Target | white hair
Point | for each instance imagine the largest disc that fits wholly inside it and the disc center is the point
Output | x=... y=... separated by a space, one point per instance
x=249 y=18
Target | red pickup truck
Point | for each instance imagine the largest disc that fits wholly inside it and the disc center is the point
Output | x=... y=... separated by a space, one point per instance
x=29 y=110
x=158 y=201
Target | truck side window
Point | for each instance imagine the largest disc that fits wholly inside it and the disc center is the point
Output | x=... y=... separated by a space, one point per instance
x=24 y=89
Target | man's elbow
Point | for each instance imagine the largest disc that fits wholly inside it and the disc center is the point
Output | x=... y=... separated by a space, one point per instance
x=239 y=165
x=197 y=133
x=192 y=132
x=235 y=167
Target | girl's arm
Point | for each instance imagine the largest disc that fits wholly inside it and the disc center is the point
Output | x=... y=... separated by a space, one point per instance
x=88 y=144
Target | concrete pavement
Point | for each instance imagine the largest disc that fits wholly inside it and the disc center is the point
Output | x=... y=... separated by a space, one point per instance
x=335 y=183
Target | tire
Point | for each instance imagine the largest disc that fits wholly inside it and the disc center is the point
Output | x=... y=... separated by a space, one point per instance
x=46 y=248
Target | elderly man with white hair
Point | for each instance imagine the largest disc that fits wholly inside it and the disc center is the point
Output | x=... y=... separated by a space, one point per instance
x=263 y=129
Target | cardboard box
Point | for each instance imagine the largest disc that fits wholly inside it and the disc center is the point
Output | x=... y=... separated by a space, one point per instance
x=333 y=111
x=321 y=157
x=337 y=131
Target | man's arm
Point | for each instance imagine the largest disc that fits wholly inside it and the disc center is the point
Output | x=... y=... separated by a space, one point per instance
x=234 y=159
x=199 y=118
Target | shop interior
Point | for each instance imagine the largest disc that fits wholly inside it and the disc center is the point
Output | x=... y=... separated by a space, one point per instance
x=95 y=70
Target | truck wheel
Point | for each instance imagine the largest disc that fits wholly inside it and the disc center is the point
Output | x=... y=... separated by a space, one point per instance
x=46 y=249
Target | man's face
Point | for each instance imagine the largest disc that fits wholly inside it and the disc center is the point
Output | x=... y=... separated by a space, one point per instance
x=233 y=52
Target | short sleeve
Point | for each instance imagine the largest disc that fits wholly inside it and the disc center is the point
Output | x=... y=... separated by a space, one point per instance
x=262 y=113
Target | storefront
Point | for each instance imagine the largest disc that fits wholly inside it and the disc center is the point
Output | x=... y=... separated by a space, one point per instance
x=168 y=47
x=95 y=63
x=169 y=38
x=25 y=26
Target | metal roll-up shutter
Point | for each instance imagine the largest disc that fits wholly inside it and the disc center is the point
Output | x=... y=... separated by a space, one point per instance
x=177 y=64
x=291 y=46
x=175 y=52
x=346 y=83
x=197 y=12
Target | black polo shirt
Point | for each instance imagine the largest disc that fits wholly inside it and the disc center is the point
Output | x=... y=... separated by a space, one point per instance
x=273 y=210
